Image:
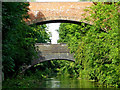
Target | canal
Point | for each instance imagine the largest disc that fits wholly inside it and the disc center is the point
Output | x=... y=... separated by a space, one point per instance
x=58 y=82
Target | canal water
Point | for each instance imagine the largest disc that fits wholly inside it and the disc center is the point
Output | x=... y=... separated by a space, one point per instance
x=58 y=82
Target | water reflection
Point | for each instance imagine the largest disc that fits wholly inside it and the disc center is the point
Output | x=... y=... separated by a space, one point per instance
x=67 y=83
x=53 y=83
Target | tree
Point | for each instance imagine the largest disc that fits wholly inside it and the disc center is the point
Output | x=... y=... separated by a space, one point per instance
x=96 y=50
x=40 y=33
x=18 y=38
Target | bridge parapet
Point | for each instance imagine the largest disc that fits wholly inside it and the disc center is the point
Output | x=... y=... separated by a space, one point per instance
x=53 y=48
x=52 y=52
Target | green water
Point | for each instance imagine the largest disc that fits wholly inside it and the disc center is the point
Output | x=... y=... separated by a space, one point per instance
x=58 y=82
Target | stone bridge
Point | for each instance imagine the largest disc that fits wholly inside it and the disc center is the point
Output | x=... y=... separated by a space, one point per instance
x=48 y=52
x=49 y=12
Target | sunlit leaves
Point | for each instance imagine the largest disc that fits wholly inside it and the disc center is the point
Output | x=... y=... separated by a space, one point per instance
x=40 y=34
x=96 y=50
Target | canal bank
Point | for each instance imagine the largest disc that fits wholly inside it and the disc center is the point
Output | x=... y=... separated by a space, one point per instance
x=48 y=81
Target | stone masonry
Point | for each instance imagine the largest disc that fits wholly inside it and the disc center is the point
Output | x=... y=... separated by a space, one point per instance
x=52 y=52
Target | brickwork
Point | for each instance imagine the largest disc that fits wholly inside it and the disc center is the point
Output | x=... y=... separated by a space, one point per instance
x=45 y=11
x=52 y=52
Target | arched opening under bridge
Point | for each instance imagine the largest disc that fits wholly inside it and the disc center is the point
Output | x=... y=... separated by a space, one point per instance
x=63 y=12
x=47 y=52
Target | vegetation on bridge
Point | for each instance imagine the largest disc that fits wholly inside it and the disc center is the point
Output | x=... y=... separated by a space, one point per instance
x=96 y=51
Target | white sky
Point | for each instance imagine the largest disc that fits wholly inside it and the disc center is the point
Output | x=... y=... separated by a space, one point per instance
x=52 y=27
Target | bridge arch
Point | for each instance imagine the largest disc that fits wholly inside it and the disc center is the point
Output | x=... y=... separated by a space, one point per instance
x=43 y=12
x=47 y=52
x=60 y=21
x=72 y=60
x=56 y=12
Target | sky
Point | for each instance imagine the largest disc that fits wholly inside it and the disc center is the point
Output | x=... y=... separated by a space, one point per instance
x=52 y=27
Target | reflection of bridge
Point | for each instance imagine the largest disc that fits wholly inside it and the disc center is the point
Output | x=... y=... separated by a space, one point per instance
x=52 y=52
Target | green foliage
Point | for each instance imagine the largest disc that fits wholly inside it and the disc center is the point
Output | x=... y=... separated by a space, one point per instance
x=100 y=50
x=29 y=80
x=14 y=33
x=18 y=38
x=96 y=46
x=40 y=34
